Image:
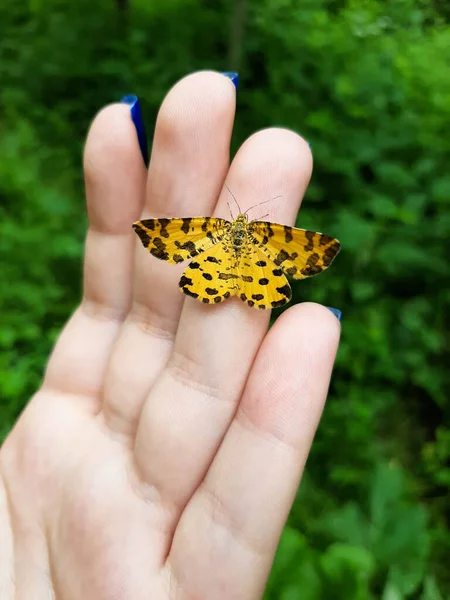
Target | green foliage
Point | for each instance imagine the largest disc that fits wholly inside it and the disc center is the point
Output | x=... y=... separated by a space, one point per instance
x=367 y=84
x=356 y=553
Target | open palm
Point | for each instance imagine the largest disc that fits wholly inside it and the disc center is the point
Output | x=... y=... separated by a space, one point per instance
x=161 y=456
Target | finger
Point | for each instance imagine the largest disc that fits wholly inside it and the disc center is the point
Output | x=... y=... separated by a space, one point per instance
x=237 y=514
x=193 y=402
x=115 y=185
x=190 y=158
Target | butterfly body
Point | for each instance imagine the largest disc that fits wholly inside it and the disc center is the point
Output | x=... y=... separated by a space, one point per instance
x=238 y=233
x=238 y=258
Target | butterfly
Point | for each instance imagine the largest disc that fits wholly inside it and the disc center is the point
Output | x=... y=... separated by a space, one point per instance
x=249 y=259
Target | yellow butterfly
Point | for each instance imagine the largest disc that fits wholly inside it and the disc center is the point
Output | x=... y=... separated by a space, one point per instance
x=239 y=258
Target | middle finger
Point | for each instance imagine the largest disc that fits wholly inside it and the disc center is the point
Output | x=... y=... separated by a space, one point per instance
x=193 y=401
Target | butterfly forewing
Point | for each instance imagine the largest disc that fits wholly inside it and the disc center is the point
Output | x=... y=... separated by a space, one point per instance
x=176 y=240
x=298 y=252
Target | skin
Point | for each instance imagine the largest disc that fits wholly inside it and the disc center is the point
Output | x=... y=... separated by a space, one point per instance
x=162 y=453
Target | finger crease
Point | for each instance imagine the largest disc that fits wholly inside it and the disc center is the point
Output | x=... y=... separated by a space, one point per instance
x=93 y=228
x=101 y=311
x=146 y=320
x=151 y=496
x=221 y=517
x=274 y=437
x=180 y=369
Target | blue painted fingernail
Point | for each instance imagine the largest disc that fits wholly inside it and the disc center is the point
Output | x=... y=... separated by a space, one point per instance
x=136 y=117
x=233 y=76
x=337 y=313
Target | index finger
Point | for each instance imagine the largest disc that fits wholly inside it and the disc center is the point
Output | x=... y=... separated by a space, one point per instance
x=190 y=158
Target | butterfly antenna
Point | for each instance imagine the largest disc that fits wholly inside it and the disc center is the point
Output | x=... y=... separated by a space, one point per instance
x=264 y=202
x=259 y=218
x=231 y=214
x=232 y=195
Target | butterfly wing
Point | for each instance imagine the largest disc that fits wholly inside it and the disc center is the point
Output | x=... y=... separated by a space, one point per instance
x=212 y=277
x=176 y=240
x=262 y=284
x=298 y=252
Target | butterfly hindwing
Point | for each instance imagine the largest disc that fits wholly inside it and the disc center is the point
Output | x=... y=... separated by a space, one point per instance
x=262 y=284
x=298 y=252
x=212 y=277
x=176 y=240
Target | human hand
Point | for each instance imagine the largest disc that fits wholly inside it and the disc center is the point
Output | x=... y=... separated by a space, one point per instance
x=162 y=454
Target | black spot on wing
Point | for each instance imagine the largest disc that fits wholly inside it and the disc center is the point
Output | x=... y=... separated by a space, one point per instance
x=186 y=224
x=288 y=237
x=211 y=291
x=312 y=267
x=188 y=292
x=310 y=235
x=213 y=259
x=159 y=249
x=189 y=246
x=277 y=272
x=281 y=257
x=164 y=222
x=250 y=303
x=330 y=253
x=277 y=303
x=177 y=258
x=149 y=224
x=194 y=265
x=143 y=235
x=324 y=239
x=311 y=270
x=159 y=254
x=207 y=276
x=285 y=291
x=257 y=296
x=263 y=281
x=261 y=263
x=185 y=281
x=247 y=278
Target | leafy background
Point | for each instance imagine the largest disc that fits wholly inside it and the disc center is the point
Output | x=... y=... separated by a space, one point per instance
x=367 y=83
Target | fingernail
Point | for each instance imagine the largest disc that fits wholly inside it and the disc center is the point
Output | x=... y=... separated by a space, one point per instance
x=233 y=76
x=337 y=313
x=136 y=117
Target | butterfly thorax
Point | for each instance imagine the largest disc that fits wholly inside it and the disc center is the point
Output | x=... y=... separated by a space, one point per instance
x=238 y=233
